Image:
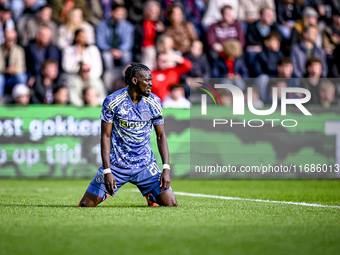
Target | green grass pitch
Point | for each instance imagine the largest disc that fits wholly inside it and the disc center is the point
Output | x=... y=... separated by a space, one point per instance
x=42 y=217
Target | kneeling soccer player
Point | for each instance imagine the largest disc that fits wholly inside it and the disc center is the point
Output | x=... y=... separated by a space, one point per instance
x=127 y=118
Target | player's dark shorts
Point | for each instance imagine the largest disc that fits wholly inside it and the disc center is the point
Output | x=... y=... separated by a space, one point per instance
x=147 y=180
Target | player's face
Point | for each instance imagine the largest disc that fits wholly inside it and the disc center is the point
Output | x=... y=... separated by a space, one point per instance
x=144 y=83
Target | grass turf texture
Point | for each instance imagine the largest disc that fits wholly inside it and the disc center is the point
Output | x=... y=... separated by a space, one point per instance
x=41 y=217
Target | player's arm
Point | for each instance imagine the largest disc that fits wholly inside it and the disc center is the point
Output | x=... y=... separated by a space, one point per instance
x=105 y=146
x=164 y=152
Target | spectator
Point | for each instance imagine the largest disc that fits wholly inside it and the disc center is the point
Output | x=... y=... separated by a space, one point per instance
x=119 y=82
x=114 y=39
x=226 y=97
x=78 y=82
x=335 y=69
x=44 y=83
x=313 y=79
x=21 y=94
x=176 y=99
x=326 y=93
x=12 y=63
x=107 y=8
x=223 y=30
x=331 y=34
x=249 y=10
x=256 y=34
x=258 y=30
x=266 y=61
x=30 y=6
x=285 y=70
x=40 y=50
x=164 y=78
x=6 y=22
x=90 y=97
x=257 y=103
x=165 y=45
x=5 y=3
x=213 y=14
x=134 y=9
x=81 y=52
x=325 y=8
x=306 y=49
x=74 y=22
x=279 y=84
x=16 y=6
x=43 y=17
x=309 y=18
x=193 y=11
x=62 y=7
x=146 y=33
x=27 y=11
x=96 y=12
x=288 y=13
x=60 y=95
x=200 y=69
x=182 y=32
x=231 y=65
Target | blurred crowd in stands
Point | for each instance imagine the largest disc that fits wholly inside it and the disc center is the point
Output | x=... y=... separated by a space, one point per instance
x=76 y=51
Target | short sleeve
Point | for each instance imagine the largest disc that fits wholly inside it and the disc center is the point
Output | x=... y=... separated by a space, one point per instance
x=107 y=112
x=157 y=111
x=158 y=121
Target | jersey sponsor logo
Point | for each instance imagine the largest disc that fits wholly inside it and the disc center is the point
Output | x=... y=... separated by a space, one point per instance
x=132 y=124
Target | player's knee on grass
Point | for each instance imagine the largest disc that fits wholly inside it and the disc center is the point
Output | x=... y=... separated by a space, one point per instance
x=167 y=199
x=89 y=200
x=172 y=203
x=87 y=203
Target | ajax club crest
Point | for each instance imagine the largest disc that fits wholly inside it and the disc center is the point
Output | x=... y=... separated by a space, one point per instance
x=146 y=116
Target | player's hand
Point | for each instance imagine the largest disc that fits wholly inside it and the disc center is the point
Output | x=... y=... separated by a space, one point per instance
x=165 y=179
x=110 y=183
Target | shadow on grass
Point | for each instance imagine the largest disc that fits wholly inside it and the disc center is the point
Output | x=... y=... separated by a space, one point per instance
x=72 y=206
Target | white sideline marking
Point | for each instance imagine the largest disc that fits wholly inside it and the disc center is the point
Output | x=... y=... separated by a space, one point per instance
x=253 y=200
